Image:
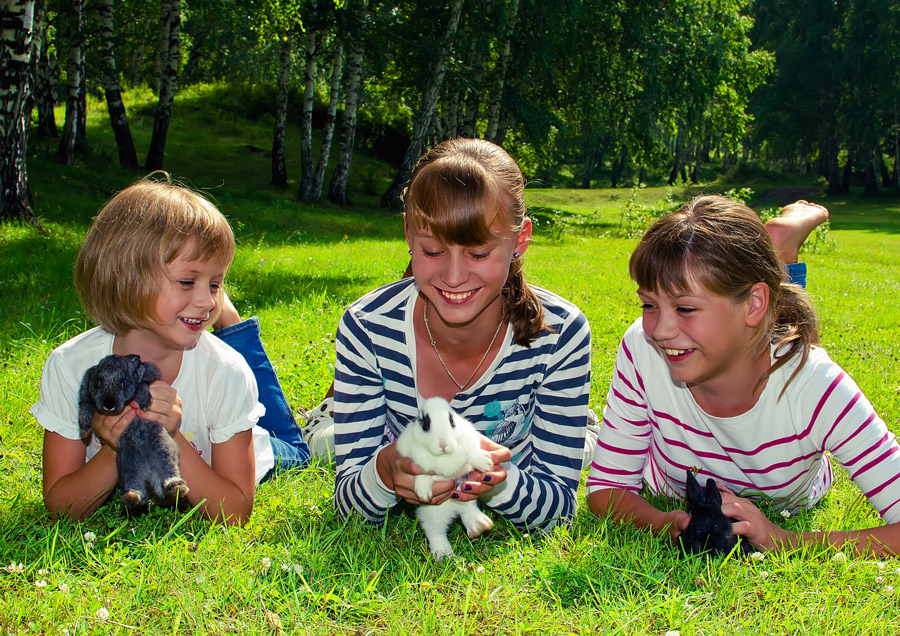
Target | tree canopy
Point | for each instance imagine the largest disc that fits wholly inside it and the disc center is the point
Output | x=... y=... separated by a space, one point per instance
x=615 y=91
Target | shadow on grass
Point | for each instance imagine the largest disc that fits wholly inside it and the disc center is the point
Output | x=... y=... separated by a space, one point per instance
x=282 y=285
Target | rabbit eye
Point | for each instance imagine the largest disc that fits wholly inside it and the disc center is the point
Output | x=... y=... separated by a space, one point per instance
x=426 y=422
x=450 y=417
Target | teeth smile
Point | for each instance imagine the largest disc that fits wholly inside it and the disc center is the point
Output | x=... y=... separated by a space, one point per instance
x=457 y=296
x=676 y=352
x=193 y=321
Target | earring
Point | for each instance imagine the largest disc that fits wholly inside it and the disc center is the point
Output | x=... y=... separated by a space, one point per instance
x=516 y=255
x=410 y=252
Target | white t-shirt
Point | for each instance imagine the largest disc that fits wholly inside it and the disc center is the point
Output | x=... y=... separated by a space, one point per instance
x=217 y=389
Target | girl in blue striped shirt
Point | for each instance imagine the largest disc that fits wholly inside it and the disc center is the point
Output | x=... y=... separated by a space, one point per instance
x=512 y=358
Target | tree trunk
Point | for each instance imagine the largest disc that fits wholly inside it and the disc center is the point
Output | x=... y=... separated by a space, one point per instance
x=590 y=160
x=170 y=27
x=337 y=190
x=45 y=76
x=500 y=75
x=117 y=115
x=848 y=173
x=328 y=130
x=39 y=14
x=391 y=198
x=473 y=89
x=618 y=167
x=74 y=68
x=885 y=173
x=307 y=168
x=279 y=145
x=871 y=180
x=193 y=61
x=676 y=160
x=15 y=49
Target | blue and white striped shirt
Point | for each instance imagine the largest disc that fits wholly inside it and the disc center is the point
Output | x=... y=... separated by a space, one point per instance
x=532 y=400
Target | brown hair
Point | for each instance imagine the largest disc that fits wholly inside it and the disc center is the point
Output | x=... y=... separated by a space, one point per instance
x=457 y=190
x=723 y=245
x=142 y=229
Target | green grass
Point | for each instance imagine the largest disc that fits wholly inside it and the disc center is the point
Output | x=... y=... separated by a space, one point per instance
x=296 y=564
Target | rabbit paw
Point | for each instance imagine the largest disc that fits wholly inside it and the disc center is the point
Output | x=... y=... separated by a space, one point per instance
x=483 y=461
x=424 y=487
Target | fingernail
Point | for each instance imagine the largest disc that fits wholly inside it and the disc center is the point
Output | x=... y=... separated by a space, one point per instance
x=487 y=478
x=455 y=495
x=467 y=487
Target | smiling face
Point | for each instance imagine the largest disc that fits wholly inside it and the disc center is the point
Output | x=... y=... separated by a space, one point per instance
x=187 y=302
x=704 y=337
x=464 y=282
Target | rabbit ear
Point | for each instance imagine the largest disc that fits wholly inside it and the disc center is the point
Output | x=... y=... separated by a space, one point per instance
x=692 y=488
x=132 y=362
x=713 y=495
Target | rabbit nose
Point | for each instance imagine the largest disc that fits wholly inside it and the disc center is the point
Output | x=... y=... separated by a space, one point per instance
x=109 y=404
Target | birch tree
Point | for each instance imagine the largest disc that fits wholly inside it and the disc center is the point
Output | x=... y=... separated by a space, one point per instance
x=500 y=73
x=307 y=169
x=427 y=107
x=73 y=128
x=16 y=21
x=279 y=163
x=167 y=71
x=337 y=189
x=330 y=114
x=117 y=115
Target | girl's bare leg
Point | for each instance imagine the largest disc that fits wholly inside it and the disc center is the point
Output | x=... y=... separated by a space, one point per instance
x=790 y=230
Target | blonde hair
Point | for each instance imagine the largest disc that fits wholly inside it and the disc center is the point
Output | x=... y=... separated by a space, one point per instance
x=723 y=245
x=122 y=261
x=456 y=191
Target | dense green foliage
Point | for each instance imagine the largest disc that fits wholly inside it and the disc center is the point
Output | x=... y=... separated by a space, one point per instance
x=296 y=566
x=582 y=92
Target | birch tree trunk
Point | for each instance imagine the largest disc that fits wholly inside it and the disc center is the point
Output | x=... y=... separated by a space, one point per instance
x=170 y=32
x=46 y=77
x=45 y=73
x=337 y=189
x=118 y=118
x=307 y=168
x=491 y=134
x=15 y=49
x=328 y=131
x=279 y=165
x=391 y=198
x=74 y=68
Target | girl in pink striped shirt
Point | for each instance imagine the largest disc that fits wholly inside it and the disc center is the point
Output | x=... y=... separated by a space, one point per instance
x=723 y=373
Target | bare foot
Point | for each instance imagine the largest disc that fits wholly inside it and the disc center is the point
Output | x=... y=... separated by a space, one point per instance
x=790 y=230
x=229 y=315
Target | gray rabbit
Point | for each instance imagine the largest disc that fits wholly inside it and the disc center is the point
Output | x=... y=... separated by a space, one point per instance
x=147 y=458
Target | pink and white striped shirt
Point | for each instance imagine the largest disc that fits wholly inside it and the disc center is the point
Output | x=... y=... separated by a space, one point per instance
x=653 y=430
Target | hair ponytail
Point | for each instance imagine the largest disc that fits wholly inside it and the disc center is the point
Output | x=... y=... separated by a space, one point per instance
x=796 y=328
x=522 y=308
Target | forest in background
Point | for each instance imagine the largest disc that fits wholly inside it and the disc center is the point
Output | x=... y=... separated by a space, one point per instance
x=581 y=92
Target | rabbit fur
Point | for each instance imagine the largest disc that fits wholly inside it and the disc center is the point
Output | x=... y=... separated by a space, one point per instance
x=709 y=529
x=147 y=457
x=447 y=446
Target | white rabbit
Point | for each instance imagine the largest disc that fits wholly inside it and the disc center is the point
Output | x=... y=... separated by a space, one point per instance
x=447 y=446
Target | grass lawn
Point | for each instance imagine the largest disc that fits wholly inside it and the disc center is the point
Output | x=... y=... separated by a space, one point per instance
x=296 y=567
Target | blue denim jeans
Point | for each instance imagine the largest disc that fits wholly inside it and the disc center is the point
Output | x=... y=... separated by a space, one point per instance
x=284 y=433
x=796 y=273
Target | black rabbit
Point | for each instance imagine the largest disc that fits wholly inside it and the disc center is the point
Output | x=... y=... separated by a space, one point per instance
x=147 y=457
x=709 y=529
